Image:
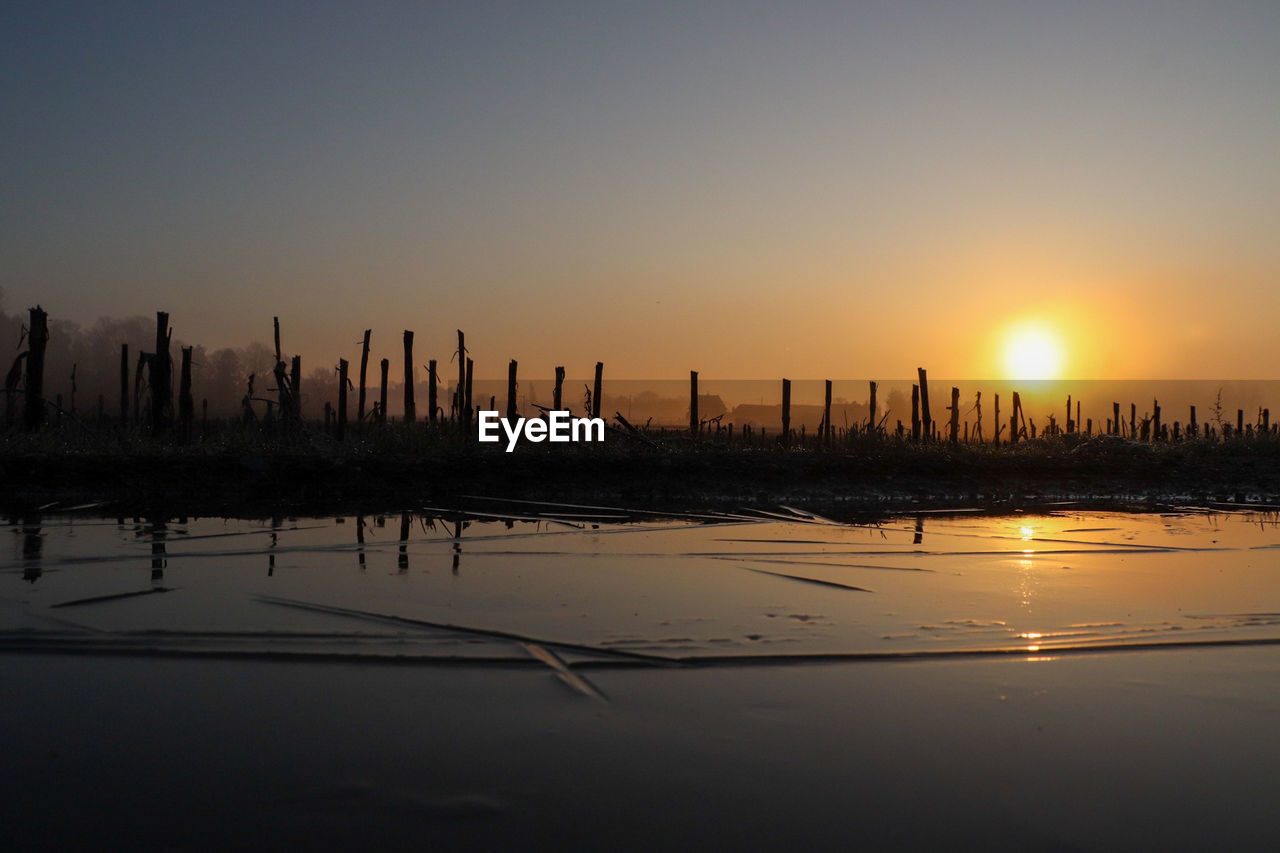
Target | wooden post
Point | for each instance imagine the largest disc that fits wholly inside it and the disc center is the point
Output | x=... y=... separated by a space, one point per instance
x=1133 y=420
x=1077 y=426
x=955 y=415
x=1013 y=418
x=1155 y=420
x=995 y=430
x=826 y=415
x=342 y=398
x=275 y=323
x=1115 y=419
x=597 y=390
x=1239 y=421
x=470 y=371
x=1193 y=429
x=160 y=375
x=382 y=398
x=693 y=403
x=1266 y=420
x=364 y=369
x=432 y=398
x=37 y=341
x=871 y=408
x=512 y=404
x=556 y=395
x=410 y=410
x=462 y=399
x=786 y=412
x=926 y=418
x=915 y=413
x=186 y=405
x=124 y=385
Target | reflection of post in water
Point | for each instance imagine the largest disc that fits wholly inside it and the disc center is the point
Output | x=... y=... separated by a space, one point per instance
x=32 y=548
x=360 y=541
x=919 y=530
x=457 y=544
x=271 y=549
x=159 y=530
x=404 y=541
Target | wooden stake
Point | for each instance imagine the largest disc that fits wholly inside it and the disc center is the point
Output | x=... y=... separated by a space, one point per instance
x=557 y=394
x=512 y=404
x=955 y=415
x=786 y=413
x=871 y=409
x=597 y=389
x=915 y=413
x=694 y=425
x=342 y=398
x=382 y=397
x=364 y=370
x=469 y=373
x=186 y=405
x=825 y=433
x=161 y=370
x=995 y=433
x=410 y=410
x=926 y=418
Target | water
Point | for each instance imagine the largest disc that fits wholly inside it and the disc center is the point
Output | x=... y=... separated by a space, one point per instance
x=575 y=677
x=780 y=582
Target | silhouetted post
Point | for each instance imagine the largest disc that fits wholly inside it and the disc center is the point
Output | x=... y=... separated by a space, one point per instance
x=463 y=401
x=826 y=414
x=382 y=396
x=1133 y=420
x=597 y=389
x=160 y=373
x=37 y=341
x=995 y=432
x=342 y=398
x=1155 y=420
x=364 y=368
x=1193 y=429
x=1077 y=428
x=926 y=417
x=1239 y=421
x=1115 y=419
x=124 y=385
x=275 y=323
x=1266 y=420
x=1013 y=418
x=512 y=403
x=693 y=403
x=469 y=373
x=556 y=395
x=1088 y=430
x=955 y=415
x=871 y=407
x=432 y=400
x=786 y=413
x=410 y=410
x=186 y=405
x=915 y=412
x=1068 y=419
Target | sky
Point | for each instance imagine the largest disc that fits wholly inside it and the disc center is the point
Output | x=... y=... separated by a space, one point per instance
x=746 y=189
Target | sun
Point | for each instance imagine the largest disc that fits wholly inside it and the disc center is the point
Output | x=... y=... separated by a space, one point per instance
x=1032 y=351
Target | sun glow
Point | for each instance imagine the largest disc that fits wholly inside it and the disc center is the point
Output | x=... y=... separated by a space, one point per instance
x=1032 y=351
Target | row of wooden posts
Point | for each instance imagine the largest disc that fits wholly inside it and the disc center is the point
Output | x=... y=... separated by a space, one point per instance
x=156 y=367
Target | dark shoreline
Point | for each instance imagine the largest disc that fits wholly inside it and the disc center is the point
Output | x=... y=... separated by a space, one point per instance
x=884 y=476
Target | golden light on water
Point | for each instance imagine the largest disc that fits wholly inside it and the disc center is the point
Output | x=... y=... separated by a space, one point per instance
x=1032 y=351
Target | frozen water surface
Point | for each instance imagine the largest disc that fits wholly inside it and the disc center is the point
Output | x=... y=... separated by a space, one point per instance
x=537 y=676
